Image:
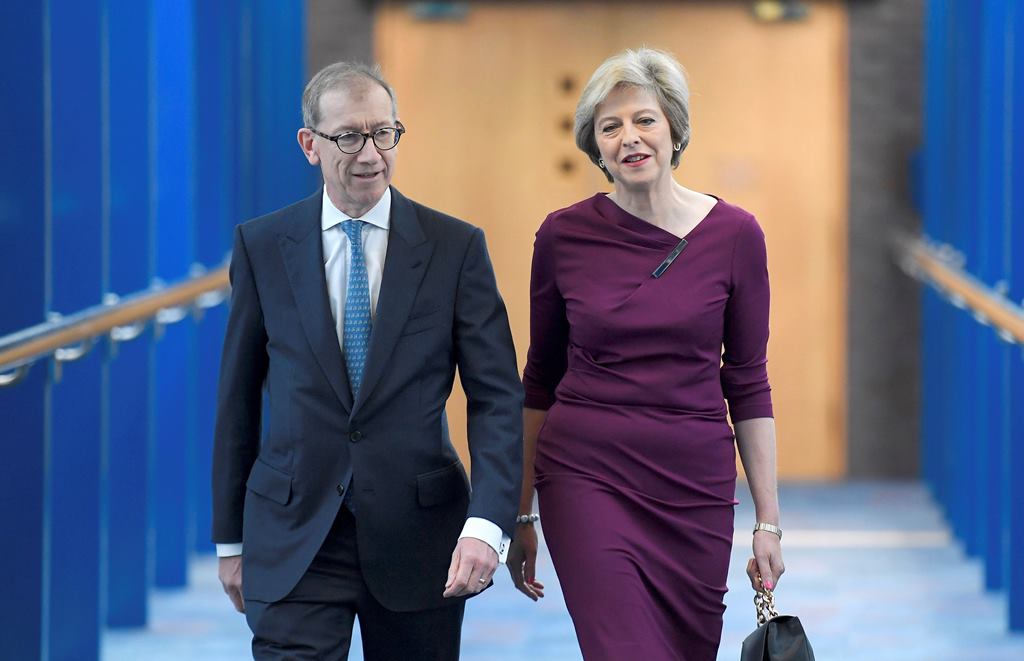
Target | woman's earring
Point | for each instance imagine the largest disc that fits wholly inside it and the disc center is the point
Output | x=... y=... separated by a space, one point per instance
x=600 y=163
x=677 y=146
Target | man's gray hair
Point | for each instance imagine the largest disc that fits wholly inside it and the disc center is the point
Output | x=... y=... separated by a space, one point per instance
x=653 y=70
x=340 y=75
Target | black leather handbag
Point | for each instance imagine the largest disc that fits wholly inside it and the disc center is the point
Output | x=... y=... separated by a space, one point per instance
x=777 y=637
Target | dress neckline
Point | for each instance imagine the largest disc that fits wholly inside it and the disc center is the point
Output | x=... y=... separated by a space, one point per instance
x=648 y=229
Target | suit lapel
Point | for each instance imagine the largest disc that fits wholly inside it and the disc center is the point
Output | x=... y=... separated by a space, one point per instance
x=302 y=251
x=404 y=266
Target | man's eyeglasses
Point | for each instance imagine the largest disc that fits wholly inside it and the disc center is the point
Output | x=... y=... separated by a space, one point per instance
x=352 y=142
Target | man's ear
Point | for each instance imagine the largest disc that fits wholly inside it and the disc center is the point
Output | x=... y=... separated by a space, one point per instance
x=307 y=143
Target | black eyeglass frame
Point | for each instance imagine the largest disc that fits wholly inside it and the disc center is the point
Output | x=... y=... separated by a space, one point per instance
x=398 y=128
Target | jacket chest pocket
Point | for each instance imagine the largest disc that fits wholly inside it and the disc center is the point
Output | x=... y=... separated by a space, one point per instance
x=423 y=322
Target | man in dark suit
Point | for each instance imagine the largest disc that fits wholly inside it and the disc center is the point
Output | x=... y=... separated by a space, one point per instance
x=350 y=311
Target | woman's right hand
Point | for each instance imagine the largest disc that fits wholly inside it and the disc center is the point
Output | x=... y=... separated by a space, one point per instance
x=522 y=562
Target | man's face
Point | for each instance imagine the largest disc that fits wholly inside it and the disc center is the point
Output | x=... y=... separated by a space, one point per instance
x=354 y=182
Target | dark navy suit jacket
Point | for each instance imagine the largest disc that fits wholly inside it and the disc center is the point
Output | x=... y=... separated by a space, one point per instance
x=278 y=489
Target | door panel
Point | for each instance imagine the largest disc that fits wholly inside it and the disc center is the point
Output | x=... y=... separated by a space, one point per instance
x=489 y=101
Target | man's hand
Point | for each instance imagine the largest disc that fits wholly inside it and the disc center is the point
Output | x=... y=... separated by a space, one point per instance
x=229 y=571
x=473 y=565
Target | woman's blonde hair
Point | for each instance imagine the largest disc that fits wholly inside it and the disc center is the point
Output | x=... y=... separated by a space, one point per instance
x=653 y=70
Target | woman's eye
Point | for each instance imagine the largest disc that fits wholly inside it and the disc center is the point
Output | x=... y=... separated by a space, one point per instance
x=609 y=128
x=645 y=121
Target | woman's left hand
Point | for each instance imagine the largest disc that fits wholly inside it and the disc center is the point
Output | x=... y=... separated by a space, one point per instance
x=522 y=562
x=766 y=567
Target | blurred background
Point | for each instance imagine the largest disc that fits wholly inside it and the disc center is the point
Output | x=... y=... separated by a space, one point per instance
x=880 y=143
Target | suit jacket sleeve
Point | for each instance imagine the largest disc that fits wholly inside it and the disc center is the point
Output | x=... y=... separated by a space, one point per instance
x=487 y=369
x=239 y=398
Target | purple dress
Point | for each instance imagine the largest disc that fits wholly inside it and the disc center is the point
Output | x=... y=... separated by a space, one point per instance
x=636 y=469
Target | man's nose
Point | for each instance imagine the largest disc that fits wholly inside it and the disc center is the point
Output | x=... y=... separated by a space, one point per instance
x=369 y=152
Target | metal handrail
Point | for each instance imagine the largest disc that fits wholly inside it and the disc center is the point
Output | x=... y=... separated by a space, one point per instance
x=942 y=267
x=68 y=338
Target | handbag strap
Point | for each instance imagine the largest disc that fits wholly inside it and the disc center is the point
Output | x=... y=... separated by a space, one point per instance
x=764 y=603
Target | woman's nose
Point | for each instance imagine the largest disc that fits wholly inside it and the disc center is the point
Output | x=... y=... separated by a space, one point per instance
x=630 y=136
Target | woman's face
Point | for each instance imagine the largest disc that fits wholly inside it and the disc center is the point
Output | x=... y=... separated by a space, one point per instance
x=634 y=137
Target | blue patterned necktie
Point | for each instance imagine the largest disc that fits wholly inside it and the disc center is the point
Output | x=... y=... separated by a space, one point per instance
x=356 y=333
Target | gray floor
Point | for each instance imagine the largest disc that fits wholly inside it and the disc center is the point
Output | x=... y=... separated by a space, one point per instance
x=871 y=571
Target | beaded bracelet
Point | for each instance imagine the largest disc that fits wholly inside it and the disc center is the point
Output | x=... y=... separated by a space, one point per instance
x=528 y=518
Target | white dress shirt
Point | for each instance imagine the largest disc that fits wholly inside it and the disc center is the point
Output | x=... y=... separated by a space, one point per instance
x=336 y=250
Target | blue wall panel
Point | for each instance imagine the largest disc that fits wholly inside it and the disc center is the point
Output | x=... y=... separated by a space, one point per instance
x=173 y=404
x=21 y=609
x=217 y=132
x=22 y=277
x=73 y=590
x=992 y=269
x=281 y=173
x=127 y=93
x=963 y=227
x=974 y=151
x=1014 y=240
x=140 y=133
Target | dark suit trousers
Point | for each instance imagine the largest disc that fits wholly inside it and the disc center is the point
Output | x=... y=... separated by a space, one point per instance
x=315 y=620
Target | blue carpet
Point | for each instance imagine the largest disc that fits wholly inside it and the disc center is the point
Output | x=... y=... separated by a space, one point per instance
x=871 y=571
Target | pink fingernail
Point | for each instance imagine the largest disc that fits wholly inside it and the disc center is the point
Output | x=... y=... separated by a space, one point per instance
x=768 y=585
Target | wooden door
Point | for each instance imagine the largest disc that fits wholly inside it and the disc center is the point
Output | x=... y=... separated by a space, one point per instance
x=489 y=99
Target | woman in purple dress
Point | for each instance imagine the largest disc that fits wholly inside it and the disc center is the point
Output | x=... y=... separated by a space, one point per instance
x=634 y=294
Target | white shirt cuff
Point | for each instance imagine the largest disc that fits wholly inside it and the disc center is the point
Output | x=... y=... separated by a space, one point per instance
x=477 y=528
x=227 y=550
x=489 y=533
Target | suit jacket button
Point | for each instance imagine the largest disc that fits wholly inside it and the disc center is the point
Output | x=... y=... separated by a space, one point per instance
x=355 y=436
x=341 y=490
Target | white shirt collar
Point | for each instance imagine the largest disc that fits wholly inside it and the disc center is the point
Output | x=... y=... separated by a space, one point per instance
x=378 y=216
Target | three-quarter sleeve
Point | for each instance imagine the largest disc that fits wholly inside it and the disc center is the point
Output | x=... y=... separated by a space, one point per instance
x=549 y=328
x=745 y=360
